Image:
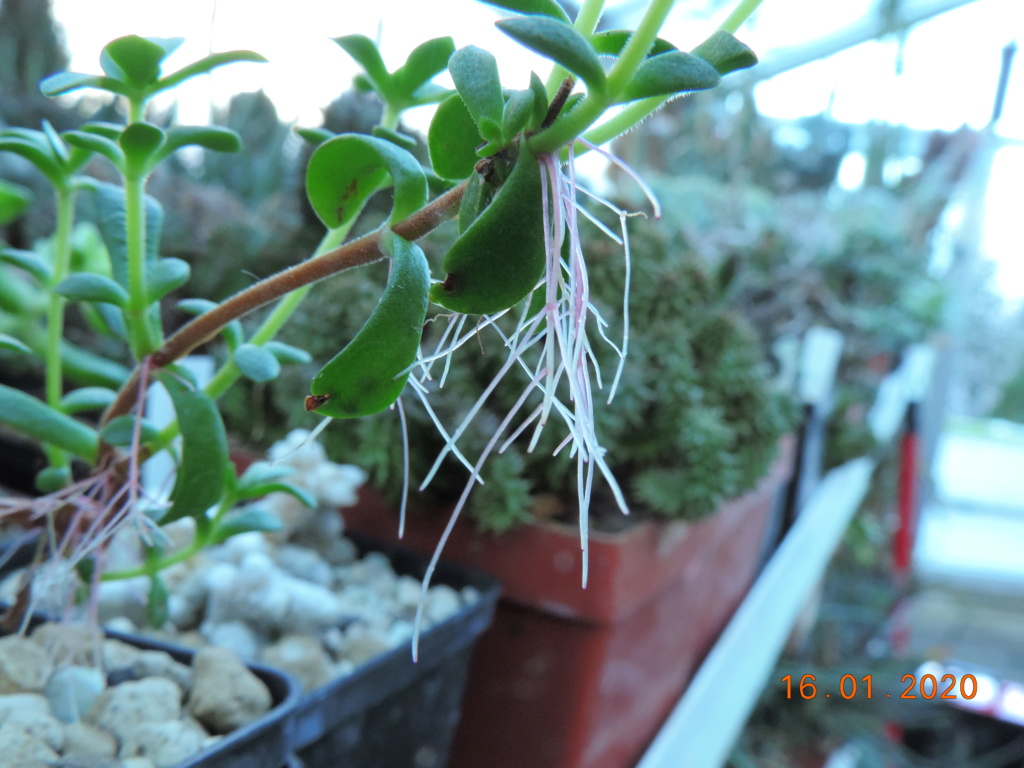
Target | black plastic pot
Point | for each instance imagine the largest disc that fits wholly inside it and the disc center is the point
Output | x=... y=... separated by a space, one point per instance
x=392 y=712
x=263 y=743
x=389 y=713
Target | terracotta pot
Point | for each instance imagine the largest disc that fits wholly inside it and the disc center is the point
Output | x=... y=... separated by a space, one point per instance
x=574 y=678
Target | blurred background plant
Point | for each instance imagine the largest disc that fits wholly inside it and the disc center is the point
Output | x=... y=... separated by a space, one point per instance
x=807 y=252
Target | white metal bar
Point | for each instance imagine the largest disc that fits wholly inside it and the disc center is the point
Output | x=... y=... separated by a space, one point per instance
x=906 y=384
x=871 y=28
x=819 y=360
x=701 y=730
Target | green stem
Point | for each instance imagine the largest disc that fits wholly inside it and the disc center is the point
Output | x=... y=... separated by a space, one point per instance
x=566 y=129
x=151 y=568
x=589 y=15
x=739 y=15
x=144 y=333
x=390 y=117
x=585 y=24
x=630 y=116
x=136 y=315
x=594 y=105
x=639 y=46
x=65 y=201
x=204 y=534
x=136 y=111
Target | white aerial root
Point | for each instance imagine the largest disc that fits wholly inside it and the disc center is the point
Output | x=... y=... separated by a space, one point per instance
x=92 y=511
x=405 y=468
x=554 y=350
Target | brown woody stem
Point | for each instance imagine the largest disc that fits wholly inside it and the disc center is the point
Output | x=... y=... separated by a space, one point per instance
x=357 y=253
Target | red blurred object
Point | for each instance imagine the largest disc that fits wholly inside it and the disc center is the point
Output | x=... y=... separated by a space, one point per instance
x=903 y=538
x=574 y=678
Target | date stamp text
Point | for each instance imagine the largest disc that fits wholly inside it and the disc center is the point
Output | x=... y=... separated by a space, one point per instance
x=926 y=686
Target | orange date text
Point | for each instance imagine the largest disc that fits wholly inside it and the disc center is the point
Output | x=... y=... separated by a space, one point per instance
x=910 y=687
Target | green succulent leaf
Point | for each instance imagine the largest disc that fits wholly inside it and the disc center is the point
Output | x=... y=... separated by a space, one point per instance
x=429 y=93
x=13 y=344
x=136 y=60
x=517 y=113
x=196 y=306
x=253 y=491
x=475 y=72
x=52 y=479
x=211 y=137
x=185 y=374
x=13 y=200
x=256 y=363
x=315 y=136
x=260 y=473
x=19 y=297
x=86 y=367
x=111 y=319
x=452 y=139
x=34 y=147
x=491 y=132
x=560 y=43
x=246 y=520
x=86 y=569
x=166 y=275
x=364 y=51
x=30 y=416
x=140 y=143
x=66 y=82
x=669 y=74
x=399 y=139
x=204 y=454
x=101 y=145
x=344 y=171
x=87 y=399
x=207 y=64
x=286 y=354
x=725 y=53
x=30 y=261
x=232 y=332
x=111 y=131
x=120 y=431
x=532 y=7
x=426 y=60
x=60 y=149
x=540 y=101
x=86 y=286
x=307 y=498
x=370 y=372
x=612 y=43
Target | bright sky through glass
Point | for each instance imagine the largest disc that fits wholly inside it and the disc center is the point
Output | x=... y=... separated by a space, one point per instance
x=949 y=79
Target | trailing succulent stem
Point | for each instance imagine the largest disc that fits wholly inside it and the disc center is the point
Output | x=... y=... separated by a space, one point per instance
x=499 y=158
